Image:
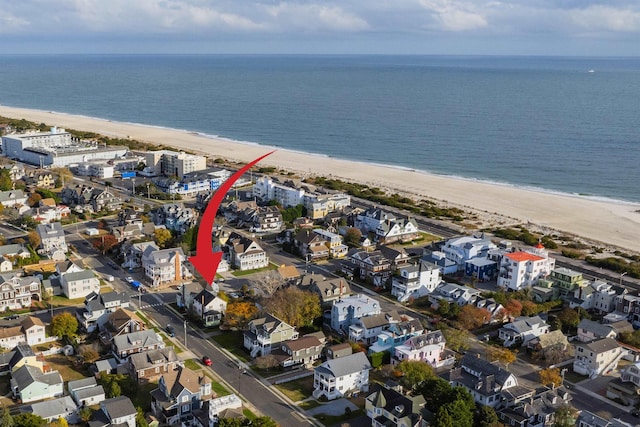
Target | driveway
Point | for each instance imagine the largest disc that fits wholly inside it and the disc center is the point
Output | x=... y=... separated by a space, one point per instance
x=335 y=407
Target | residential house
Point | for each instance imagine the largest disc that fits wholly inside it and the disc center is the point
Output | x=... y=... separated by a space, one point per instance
x=599 y=296
x=339 y=350
x=396 y=334
x=287 y=194
x=302 y=351
x=52 y=240
x=390 y=408
x=86 y=391
x=127 y=232
x=245 y=254
x=52 y=410
x=385 y=226
x=347 y=310
x=522 y=330
x=289 y=274
x=566 y=281
x=164 y=266
x=523 y=269
x=151 y=364
x=129 y=216
x=98 y=307
x=125 y=345
x=22 y=355
x=37 y=179
x=228 y=406
x=538 y=409
x=597 y=357
x=31 y=331
x=120 y=322
x=209 y=307
x=366 y=329
x=132 y=253
x=30 y=384
x=233 y=210
x=371 y=266
x=104 y=199
x=627 y=307
x=6 y=264
x=495 y=309
x=13 y=198
x=79 y=284
x=18 y=292
x=16 y=171
x=429 y=348
x=265 y=219
x=482 y=379
x=329 y=290
x=266 y=333
x=589 y=419
x=453 y=294
x=398 y=257
x=459 y=250
x=179 y=393
x=589 y=330
x=415 y=281
x=174 y=216
x=311 y=245
x=320 y=205
x=15 y=250
x=115 y=412
x=342 y=377
x=333 y=241
x=626 y=387
x=552 y=346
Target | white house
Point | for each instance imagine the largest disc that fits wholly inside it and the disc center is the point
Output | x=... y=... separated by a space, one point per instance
x=98 y=307
x=52 y=410
x=30 y=384
x=597 y=357
x=31 y=330
x=12 y=198
x=209 y=307
x=266 y=189
x=347 y=310
x=164 y=266
x=523 y=269
x=415 y=281
x=522 y=330
x=459 y=250
x=52 y=240
x=86 y=391
x=79 y=284
x=341 y=377
x=429 y=348
x=245 y=254
x=453 y=294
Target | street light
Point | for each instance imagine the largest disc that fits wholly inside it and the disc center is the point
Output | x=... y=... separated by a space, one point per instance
x=621 y=276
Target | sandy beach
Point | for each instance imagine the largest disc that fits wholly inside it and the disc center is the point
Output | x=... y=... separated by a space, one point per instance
x=610 y=223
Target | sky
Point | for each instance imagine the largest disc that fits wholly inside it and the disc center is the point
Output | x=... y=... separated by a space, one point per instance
x=453 y=27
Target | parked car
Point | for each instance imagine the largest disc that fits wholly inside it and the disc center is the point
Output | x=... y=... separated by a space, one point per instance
x=171 y=331
x=110 y=278
x=206 y=360
x=129 y=279
x=12 y=317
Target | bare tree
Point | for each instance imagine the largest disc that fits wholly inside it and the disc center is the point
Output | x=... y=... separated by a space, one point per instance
x=268 y=283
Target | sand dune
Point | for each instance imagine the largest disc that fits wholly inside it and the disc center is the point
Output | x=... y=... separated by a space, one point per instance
x=616 y=224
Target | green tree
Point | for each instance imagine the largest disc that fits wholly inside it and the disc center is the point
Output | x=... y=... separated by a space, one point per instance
x=458 y=412
x=457 y=339
x=162 y=237
x=141 y=421
x=565 y=416
x=5 y=180
x=64 y=325
x=352 y=236
x=6 y=420
x=60 y=422
x=485 y=416
x=414 y=372
x=85 y=413
x=27 y=419
x=568 y=319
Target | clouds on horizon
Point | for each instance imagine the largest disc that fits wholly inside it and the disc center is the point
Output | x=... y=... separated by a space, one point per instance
x=202 y=23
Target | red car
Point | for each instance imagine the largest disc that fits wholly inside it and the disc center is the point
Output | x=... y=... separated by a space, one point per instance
x=206 y=360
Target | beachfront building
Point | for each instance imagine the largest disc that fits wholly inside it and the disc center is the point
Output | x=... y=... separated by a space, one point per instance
x=56 y=148
x=386 y=227
x=459 y=250
x=523 y=269
x=566 y=281
x=172 y=163
x=287 y=195
x=415 y=281
x=193 y=183
x=599 y=296
x=320 y=205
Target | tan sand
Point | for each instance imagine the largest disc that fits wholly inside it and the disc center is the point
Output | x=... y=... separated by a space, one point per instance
x=610 y=223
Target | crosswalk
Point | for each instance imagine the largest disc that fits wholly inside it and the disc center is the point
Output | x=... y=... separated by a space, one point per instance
x=142 y=307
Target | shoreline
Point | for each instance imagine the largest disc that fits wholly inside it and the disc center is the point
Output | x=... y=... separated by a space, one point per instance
x=609 y=222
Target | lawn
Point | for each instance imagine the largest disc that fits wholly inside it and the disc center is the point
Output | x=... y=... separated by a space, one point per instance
x=142 y=317
x=219 y=389
x=329 y=420
x=192 y=364
x=143 y=395
x=232 y=341
x=238 y=273
x=65 y=366
x=60 y=301
x=297 y=390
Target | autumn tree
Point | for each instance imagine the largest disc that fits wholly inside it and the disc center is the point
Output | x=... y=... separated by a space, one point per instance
x=34 y=199
x=34 y=239
x=568 y=319
x=502 y=355
x=88 y=353
x=85 y=413
x=550 y=377
x=105 y=243
x=64 y=174
x=513 y=308
x=239 y=313
x=529 y=308
x=65 y=325
x=162 y=237
x=414 y=372
x=457 y=339
x=5 y=180
x=60 y=422
x=565 y=416
x=472 y=317
x=352 y=236
x=294 y=306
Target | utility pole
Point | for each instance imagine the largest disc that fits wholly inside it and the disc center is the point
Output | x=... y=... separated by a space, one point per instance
x=621 y=276
x=185 y=333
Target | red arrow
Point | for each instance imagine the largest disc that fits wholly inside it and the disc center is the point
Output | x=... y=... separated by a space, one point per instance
x=206 y=261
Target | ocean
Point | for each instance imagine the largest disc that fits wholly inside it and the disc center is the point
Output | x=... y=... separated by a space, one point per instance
x=567 y=125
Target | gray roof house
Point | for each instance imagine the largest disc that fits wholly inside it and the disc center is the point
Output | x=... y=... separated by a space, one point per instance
x=388 y=407
x=52 y=239
x=151 y=364
x=12 y=198
x=30 y=384
x=51 y=410
x=79 y=284
x=98 y=307
x=125 y=345
x=303 y=351
x=484 y=380
x=86 y=391
x=115 y=412
x=341 y=377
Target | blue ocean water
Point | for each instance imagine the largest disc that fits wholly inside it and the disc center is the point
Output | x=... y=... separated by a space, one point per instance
x=540 y=122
